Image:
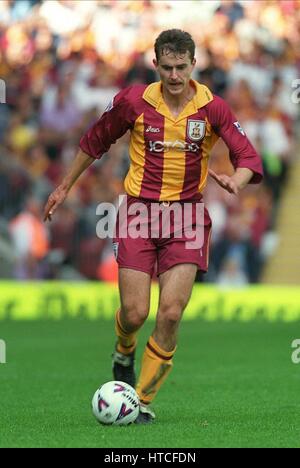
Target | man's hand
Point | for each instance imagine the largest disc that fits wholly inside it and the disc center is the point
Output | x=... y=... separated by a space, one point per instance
x=226 y=182
x=55 y=199
x=236 y=182
x=81 y=162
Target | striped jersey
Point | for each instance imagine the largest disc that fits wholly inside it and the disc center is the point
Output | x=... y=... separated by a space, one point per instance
x=169 y=155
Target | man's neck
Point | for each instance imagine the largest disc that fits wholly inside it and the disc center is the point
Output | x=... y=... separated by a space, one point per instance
x=177 y=103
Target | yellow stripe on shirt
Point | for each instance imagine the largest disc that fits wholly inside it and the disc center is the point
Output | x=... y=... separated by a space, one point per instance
x=206 y=147
x=174 y=160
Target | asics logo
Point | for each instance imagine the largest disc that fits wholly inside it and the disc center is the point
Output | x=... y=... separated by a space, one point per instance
x=152 y=129
x=178 y=145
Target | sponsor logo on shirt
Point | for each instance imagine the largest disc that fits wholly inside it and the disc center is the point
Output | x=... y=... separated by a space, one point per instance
x=238 y=126
x=178 y=145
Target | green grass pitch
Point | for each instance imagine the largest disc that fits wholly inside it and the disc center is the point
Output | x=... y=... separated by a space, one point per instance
x=233 y=385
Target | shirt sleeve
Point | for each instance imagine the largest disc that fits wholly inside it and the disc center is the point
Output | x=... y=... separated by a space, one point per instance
x=241 y=151
x=114 y=123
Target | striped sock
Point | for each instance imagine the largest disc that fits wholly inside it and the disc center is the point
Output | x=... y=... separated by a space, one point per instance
x=156 y=365
x=126 y=341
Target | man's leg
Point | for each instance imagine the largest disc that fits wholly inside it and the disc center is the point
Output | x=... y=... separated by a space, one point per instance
x=135 y=300
x=175 y=290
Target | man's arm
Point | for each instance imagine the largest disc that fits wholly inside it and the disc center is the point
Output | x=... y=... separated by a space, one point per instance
x=243 y=156
x=114 y=122
x=236 y=182
x=56 y=198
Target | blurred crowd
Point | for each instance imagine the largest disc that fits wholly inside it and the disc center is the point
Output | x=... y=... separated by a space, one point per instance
x=62 y=61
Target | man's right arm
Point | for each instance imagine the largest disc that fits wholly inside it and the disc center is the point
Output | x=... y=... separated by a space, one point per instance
x=56 y=198
x=113 y=124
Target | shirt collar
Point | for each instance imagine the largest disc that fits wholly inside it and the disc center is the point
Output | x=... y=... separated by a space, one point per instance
x=153 y=95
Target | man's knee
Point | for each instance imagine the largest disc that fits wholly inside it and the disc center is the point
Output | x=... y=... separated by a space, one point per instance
x=134 y=315
x=170 y=313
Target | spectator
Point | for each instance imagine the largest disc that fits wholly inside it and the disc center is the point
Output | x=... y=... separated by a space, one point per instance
x=30 y=241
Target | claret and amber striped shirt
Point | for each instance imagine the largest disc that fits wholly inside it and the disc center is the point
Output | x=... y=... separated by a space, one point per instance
x=169 y=156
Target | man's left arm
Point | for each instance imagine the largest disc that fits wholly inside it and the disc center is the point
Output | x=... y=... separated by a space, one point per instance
x=244 y=158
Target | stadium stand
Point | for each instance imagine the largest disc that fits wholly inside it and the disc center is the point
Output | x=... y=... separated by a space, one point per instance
x=62 y=62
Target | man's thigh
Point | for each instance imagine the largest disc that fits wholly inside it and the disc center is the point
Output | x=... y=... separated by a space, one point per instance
x=134 y=289
x=176 y=286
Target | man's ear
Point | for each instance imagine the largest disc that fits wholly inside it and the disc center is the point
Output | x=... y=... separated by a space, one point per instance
x=155 y=62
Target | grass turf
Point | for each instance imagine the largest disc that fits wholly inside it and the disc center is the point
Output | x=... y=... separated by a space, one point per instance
x=233 y=385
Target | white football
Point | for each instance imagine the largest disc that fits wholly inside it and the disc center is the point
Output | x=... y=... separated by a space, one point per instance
x=115 y=403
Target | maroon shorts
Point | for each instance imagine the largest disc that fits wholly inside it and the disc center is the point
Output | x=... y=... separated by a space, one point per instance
x=155 y=236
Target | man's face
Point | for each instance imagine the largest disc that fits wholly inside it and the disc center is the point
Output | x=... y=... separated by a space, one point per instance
x=174 y=71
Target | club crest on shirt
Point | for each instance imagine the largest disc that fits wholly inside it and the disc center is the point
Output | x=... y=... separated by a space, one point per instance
x=196 y=129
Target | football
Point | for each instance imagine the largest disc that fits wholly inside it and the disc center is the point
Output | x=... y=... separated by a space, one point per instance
x=115 y=403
